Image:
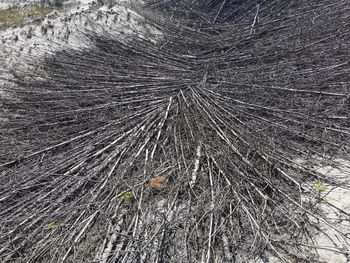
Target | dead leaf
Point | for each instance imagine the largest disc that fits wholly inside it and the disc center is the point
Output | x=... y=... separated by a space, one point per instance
x=157 y=182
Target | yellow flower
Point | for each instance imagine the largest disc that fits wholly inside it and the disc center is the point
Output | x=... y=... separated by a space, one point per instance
x=325 y=200
x=126 y=196
x=321 y=187
x=50 y=225
x=266 y=197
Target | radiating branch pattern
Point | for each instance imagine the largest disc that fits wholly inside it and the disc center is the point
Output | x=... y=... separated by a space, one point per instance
x=221 y=105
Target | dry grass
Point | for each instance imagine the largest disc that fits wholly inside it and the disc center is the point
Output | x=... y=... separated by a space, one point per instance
x=17 y=16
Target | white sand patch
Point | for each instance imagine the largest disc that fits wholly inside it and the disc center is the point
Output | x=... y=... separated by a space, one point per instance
x=339 y=238
x=60 y=30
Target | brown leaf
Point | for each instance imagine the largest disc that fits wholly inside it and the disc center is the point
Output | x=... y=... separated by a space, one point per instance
x=157 y=182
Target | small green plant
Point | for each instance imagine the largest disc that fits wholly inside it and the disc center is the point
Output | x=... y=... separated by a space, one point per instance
x=44 y=29
x=49 y=25
x=30 y=32
x=57 y=3
x=110 y=3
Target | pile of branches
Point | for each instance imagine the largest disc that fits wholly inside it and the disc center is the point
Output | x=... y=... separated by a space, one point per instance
x=196 y=145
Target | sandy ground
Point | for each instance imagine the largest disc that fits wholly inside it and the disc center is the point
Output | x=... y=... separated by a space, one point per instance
x=64 y=28
x=339 y=198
